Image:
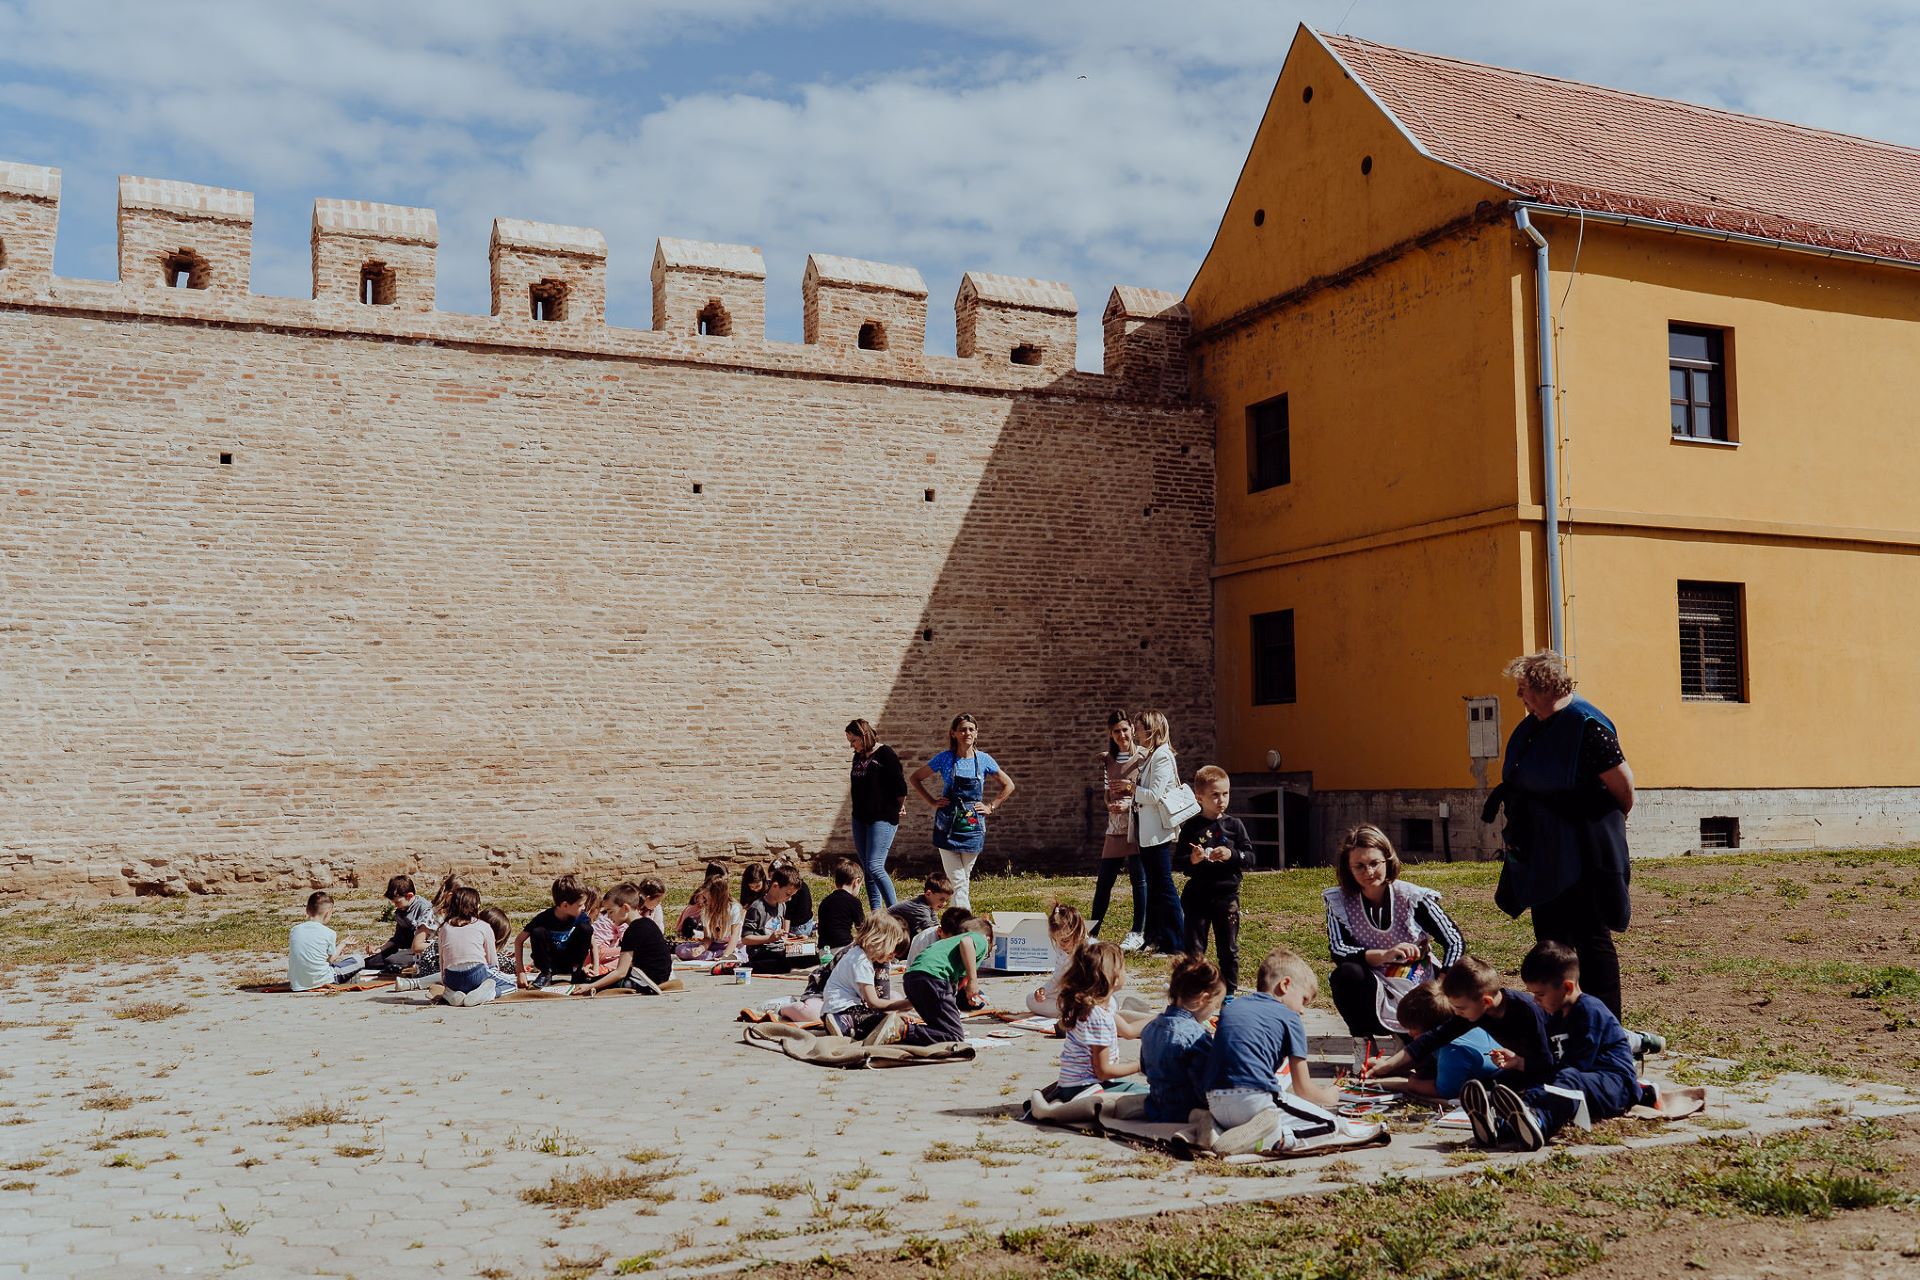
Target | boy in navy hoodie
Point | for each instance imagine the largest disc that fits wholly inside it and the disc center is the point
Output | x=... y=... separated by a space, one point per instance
x=1592 y=1064
x=1214 y=850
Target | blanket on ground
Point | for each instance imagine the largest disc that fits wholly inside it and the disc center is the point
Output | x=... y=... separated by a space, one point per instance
x=332 y=989
x=838 y=1051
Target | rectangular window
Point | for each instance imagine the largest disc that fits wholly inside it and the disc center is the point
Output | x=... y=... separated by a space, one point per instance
x=1697 y=382
x=1273 y=658
x=1269 y=448
x=1416 y=835
x=1719 y=833
x=1712 y=666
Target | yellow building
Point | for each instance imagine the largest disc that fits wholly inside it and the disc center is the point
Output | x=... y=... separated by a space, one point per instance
x=1732 y=563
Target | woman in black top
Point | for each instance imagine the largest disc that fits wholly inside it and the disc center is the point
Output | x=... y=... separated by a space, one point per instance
x=879 y=787
x=1567 y=792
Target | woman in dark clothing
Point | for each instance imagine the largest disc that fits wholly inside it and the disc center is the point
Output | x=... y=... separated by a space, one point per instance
x=879 y=788
x=1567 y=792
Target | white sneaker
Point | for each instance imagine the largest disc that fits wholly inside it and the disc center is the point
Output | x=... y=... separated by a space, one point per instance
x=409 y=984
x=1132 y=942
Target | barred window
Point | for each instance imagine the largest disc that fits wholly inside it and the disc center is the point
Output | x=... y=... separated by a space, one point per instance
x=1712 y=666
x=1269 y=445
x=1697 y=382
x=1273 y=658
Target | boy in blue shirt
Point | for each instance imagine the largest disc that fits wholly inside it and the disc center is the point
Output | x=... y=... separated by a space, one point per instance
x=1472 y=989
x=1468 y=1057
x=1259 y=1086
x=1591 y=1068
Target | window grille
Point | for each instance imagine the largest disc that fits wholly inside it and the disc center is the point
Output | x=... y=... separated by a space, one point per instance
x=1416 y=835
x=1697 y=382
x=1719 y=833
x=1269 y=445
x=1273 y=680
x=1711 y=666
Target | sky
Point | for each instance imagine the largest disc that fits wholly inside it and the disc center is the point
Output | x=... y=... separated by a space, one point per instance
x=1089 y=141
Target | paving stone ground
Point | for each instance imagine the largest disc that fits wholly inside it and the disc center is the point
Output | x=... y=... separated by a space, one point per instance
x=164 y=1148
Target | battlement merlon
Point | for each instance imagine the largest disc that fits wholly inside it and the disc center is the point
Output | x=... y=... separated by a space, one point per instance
x=546 y=272
x=709 y=290
x=1017 y=320
x=29 y=220
x=1146 y=333
x=374 y=254
x=870 y=306
x=181 y=233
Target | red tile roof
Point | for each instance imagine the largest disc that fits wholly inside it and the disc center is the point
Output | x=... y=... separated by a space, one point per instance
x=1605 y=150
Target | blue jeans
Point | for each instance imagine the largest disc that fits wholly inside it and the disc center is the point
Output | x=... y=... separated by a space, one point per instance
x=872 y=842
x=1103 y=890
x=467 y=979
x=1166 y=920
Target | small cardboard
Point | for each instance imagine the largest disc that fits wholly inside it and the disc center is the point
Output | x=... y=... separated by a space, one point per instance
x=1020 y=943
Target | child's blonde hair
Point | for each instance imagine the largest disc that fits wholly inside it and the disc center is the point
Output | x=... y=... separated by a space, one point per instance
x=1066 y=927
x=1095 y=974
x=881 y=932
x=1285 y=962
x=716 y=910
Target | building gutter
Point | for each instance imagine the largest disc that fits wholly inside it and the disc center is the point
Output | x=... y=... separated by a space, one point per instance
x=1549 y=429
x=1717 y=236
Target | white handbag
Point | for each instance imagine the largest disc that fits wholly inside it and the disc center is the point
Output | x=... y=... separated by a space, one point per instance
x=1179 y=804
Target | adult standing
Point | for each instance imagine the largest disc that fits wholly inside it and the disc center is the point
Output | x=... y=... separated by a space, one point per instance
x=1160 y=805
x=1381 y=932
x=1567 y=790
x=879 y=787
x=962 y=808
x=1120 y=767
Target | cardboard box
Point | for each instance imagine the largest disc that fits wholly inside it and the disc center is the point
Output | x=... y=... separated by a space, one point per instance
x=1020 y=943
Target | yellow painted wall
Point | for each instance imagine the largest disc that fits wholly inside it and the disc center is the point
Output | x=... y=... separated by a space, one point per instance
x=1322 y=214
x=1387 y=644
x=1830 y=660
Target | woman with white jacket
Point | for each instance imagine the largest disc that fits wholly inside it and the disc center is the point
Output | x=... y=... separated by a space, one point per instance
x=1157 y=816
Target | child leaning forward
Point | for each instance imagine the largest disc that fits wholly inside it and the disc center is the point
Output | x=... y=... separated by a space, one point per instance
x=940 y=976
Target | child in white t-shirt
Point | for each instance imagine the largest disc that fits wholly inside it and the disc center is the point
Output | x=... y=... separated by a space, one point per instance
x=856 y=998
x=316 y=957
x=1067 y=933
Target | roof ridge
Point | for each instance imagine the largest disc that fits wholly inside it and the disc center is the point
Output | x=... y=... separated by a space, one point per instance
x=1747 y=116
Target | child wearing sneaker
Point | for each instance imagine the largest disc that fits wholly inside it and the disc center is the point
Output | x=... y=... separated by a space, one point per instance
x=467 y=955
x=561 y=937
x=1591 y=1070
x=1214 y=850
x=315 y=956
x=1472 y=989
x=644 y=961
x=857 y=997
x=1258 y=1080
x=413 y=925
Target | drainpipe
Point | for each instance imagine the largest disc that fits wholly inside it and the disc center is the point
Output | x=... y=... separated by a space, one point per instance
x=1549 y=432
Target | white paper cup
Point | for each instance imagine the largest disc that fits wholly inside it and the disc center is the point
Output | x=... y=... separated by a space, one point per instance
x=743 y=976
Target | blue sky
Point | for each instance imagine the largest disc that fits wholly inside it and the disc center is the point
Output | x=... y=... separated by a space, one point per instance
x=1089 y=142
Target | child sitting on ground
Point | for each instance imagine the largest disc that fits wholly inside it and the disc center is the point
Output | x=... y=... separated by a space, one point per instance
x=1214 y=850
x=753 y=883
x=944 y=975
x=1468 y=1057
x=919 y=914
x=1066 y=934
x=1257 y=1072
x=561 y=937
x=857 y=996
x=766 y=932
x=413 y=924
x=1175 y=1047
x=1592 y=1067
x=604 y=950
x=687 y=927
x=467 y=955
x=841 y=911
x=1088 y=1061
x=952 y=921
x=1472 y=989
x=798 y=912
x=645 y=962
x=316 y=957
x=718 y=924
x=503 y=979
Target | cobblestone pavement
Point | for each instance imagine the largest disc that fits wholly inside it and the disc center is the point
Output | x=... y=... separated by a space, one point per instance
x=175 y=1147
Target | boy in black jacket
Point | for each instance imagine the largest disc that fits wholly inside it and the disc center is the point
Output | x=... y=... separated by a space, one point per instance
x=1591 y=1063
x=1473 y=991
x=1214 y=850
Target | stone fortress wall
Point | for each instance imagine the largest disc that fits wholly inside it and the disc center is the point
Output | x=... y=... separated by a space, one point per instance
x=303 y=592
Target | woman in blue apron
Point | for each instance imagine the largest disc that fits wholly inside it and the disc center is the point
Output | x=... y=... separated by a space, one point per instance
x=961 y=808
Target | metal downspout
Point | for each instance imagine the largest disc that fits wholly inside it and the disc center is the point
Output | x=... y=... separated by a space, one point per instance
x=1549 y=429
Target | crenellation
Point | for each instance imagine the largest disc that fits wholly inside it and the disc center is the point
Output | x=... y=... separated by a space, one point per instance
x=367 y=254
x=1147 y=333
x=708 y=290
x=547 y=273
x=872 y=306
x=182 y=235
x=29 y=219
x=1016 y=320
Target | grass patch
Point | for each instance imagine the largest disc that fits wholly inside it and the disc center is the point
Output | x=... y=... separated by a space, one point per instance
x=317 y=1116
x=149 y=1011
x=107 y=1102
x=596 y=1189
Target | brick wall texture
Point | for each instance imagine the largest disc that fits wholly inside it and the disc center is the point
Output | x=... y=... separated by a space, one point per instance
x=456 y=601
